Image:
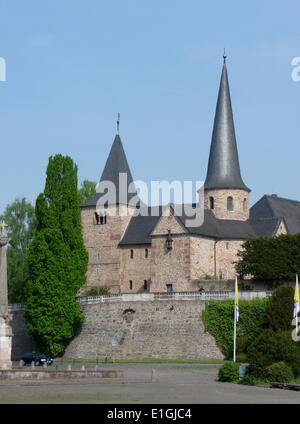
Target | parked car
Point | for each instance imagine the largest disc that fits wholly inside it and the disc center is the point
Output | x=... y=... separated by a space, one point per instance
x=36 y=357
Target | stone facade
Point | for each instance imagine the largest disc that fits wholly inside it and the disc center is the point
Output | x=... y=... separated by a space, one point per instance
x=101 y=242
x=239 y=208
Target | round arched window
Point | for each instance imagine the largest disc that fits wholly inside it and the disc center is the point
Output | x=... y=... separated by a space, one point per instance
x=230 y=203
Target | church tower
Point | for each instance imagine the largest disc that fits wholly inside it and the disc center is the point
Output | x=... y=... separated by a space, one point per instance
x=224 y=190
x=104 y=222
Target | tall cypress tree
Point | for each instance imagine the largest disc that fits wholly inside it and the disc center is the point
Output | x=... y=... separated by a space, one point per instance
x=57 y=260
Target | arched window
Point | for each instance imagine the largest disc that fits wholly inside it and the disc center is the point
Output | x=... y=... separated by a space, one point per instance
x=146 y=253
x=131 y=254
x=145 y=285
x=130 y=284
x=211 y=203
x=230 y=203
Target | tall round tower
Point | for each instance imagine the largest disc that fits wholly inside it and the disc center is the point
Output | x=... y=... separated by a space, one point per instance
x=224 y=190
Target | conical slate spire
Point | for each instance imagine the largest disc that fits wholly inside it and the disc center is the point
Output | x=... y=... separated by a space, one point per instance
x=223 y=167
x=116 y=164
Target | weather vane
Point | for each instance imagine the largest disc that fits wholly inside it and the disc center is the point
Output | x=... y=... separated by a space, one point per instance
x=118 y=123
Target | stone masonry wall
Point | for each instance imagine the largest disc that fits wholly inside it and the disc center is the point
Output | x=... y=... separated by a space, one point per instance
x=101 y=242
x=240 y=203
x=157 y=329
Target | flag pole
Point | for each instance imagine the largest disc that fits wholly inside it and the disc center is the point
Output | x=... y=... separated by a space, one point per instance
x=235 y=318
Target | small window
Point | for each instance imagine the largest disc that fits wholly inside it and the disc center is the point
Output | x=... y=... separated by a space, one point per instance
x=131 y=254
x=211 y=203
x=230 y=203
x=245 y=205
x=145 y=285
x=169 y=288
x=100 y=219
x=146 y=253
x=130 y=284
x=227 y=246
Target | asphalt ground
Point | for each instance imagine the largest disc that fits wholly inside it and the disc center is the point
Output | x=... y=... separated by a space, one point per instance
x=143 y=384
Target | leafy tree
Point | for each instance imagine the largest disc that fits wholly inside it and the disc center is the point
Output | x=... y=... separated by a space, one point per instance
x=270 y=258
x=57 y=260
x=21 y=221
x=86 y=191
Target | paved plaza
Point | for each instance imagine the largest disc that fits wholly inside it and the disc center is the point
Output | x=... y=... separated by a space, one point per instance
x=169 y=384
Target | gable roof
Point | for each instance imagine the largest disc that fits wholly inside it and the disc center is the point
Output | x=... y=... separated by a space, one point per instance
x=272 y=206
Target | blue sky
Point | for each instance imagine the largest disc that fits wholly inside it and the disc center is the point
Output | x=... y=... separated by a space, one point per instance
x=73 y=65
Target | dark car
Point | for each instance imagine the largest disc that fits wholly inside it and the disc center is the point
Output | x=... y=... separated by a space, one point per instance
x=37 y=358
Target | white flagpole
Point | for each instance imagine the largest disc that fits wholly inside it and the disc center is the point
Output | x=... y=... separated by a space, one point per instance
x=234 y=331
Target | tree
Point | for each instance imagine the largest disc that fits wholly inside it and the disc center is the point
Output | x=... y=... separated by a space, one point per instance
x=270 y=258
x=57 y=260
x=21 y=221
x=86 y=191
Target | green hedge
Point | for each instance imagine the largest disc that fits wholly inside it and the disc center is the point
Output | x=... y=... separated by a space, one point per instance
x=218 y=321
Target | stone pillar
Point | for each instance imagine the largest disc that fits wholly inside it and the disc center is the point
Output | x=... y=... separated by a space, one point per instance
x=5 y=328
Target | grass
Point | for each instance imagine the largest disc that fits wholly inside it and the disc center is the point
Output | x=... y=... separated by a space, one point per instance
x=145 y=361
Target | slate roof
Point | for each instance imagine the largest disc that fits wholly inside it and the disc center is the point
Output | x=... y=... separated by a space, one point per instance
x=272 y=206
x=140 y=228
x=116 y=164
x=223 y=167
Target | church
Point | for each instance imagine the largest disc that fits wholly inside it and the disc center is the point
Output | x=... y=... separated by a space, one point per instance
x=140 y=253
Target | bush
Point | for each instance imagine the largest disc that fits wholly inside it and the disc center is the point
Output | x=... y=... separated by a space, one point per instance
x=229 y=372
x=251 y=380
x=279 y=372
x=279 y=310
x=271 y=347
x=96 y=291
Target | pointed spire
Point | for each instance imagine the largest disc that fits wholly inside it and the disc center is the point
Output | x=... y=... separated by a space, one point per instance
x=117 y=164
x=223 y=167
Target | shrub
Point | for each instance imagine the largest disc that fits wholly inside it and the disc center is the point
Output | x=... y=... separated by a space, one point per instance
x=229 y=372
x=251 y=380
x=96 y=291
x=279 y=310
x=270 y=347
x=279 y=372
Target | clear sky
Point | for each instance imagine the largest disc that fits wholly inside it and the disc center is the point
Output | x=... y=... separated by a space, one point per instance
x=73 y=65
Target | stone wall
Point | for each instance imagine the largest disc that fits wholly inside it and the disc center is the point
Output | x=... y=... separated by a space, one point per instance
x=157 y=329
x=101 y=242
x=240 y=203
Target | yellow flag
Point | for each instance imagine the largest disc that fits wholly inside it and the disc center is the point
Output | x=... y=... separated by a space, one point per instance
x=296 y=298
x=236 y=300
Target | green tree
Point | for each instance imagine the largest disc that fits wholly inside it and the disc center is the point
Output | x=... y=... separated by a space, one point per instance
x=57 y=260
x=270 y=258
x=21 y=221
x=86 y=191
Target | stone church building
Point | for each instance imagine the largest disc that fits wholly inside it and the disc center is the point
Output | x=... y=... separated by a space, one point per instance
x=132 y=253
